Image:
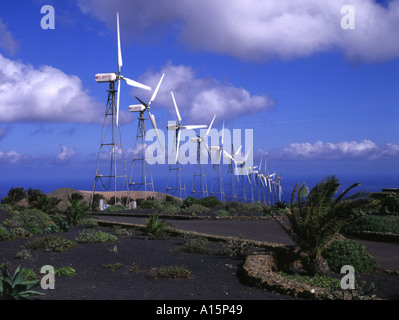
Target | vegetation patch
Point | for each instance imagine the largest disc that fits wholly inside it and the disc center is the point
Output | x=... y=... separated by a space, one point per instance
x=170 y=272
x=66 y=271
x=50 y=243
x=194 y=244
x=349 y=252
x=95 y=236
x=113 y=266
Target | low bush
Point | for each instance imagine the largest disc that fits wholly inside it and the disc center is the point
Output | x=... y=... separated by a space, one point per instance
x=113 y=266
x=156 y=228
x=30 y=220
x=66 y=271
x=50 y=243
x=188 y=202
x=194 y=244
x=319 y=281
x=4 y=235
x=352 y=253
x=210 y=202
x=196 y=209
x=222 y=213
x=113 y=209
x=148 y=204
x=170 y=272
x=373 y=224
x=95 y=236
x=389 y=204
x=168 y=209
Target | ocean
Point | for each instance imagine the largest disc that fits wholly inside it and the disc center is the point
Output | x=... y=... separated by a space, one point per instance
x=369 y=183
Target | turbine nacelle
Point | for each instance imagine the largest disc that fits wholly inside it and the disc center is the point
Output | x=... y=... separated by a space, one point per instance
x=106 y=77
x=136 y=108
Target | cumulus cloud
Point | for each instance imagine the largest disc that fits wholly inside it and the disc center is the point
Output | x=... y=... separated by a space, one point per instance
x=364 y=149
x=66 y=153
x=198 y=99
x=261 y=30
x=44 y=94
x=16 y=158
x=7 y=41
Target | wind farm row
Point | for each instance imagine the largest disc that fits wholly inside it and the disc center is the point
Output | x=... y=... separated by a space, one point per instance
x=242 y=182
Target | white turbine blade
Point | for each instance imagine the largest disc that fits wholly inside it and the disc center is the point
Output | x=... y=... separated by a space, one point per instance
x=246 y=157
x=238 y=151
x=156 y=90
x=210 y=126
x=178 y=144
x=265 y=165
x=222 y=135
x=136 y=84
x=117 y=103
x=228 y=155
x=176 y=108
x=260 y=165
x=193 y=127
x=120 y=62
x=154 y=125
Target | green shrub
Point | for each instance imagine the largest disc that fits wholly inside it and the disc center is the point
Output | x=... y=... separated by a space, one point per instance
x=23 y=254
x=390 y=204
x=222 y=213
x=29 y=275
x=4 y=235
x=111 y=201
x=6 y=207
x=88 y=222
x=352 y=253
x=148 y=204
x=95 y=236
x=67 y=271
x=170 y=272
x=196 y=209
x=194 y=244
x=113 y=209
x=210 y=202
x=373 y=224
x=51 y=243
x=31 y=220
x=168 y=209
x=317 y=280
x=188 y=202
x=172 y=200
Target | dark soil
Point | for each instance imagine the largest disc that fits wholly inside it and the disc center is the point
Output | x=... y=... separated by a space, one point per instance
x=213 y=277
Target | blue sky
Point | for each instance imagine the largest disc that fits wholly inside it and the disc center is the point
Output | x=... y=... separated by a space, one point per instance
x=320 y=99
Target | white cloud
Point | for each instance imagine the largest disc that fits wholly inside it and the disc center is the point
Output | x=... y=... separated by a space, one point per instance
x=261 y=30
x=16 y=158
x=364 y=149
x=7 y=41
x=66 y=153
x=44 y=94
x=199 y=99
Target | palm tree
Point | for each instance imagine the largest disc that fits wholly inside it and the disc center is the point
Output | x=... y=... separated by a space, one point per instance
x=316 y=217
x=14 y=195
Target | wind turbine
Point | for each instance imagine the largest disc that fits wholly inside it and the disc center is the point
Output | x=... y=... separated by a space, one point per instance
x=177 y=128
x=199 y=165
x=230 y=188
x=112 y=112
x=217 y=174
x=141 y=146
